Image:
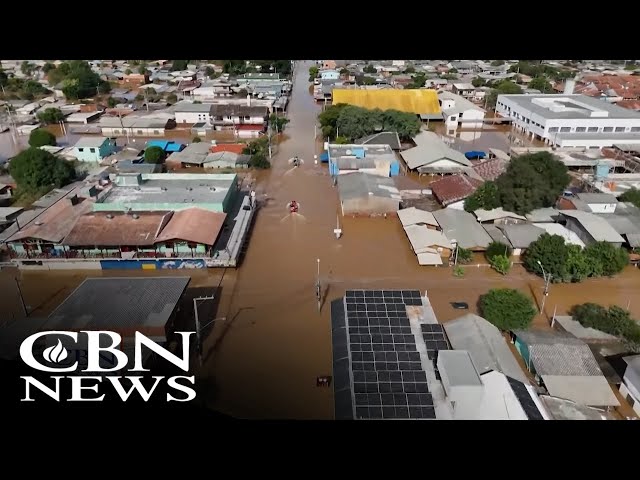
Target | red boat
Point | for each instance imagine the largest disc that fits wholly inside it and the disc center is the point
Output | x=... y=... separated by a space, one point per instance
x=293 y=206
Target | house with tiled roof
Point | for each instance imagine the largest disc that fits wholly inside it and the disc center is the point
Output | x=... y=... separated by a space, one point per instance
x=451 y=191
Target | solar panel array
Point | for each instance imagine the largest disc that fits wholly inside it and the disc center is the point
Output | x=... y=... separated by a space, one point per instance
x=523 y=396
x=434 y=338
x=387 y=374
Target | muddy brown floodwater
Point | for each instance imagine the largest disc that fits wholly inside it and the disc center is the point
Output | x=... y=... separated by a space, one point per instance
x=269 y=343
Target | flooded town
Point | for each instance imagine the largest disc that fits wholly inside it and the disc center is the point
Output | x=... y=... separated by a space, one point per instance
x=429 y=240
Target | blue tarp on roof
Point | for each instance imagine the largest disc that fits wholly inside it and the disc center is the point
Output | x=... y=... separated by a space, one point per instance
x=324 y=157
x=166 y=145
x=475 y=154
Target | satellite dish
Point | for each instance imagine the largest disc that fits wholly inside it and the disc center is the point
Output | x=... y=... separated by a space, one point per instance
x=348 y=151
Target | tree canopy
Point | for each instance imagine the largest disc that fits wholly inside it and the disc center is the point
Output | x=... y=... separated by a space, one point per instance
x=505 y=87
x=540 y=83
x=40 y=137
x=35 y=168
x=278 y=122
x=78 y=80
x=486 y=197
x=178 y=65
x=571 y=263
x=532 y=181
x=313 y=73
x=632 y=195
x=497 y=248
x=369 y=69
x=613 y=320
x=50 y=116
x=507 y=309
x=259 y=151
x=154 y=155
x=354 y=122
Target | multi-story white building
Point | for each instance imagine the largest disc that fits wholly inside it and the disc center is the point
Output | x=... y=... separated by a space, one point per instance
x=191 y=113
x=574 y=121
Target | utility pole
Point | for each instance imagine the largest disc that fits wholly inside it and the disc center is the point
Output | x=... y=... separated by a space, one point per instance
x=197 y=322
x=318 y=295
x=547 y=279
x=24 y=305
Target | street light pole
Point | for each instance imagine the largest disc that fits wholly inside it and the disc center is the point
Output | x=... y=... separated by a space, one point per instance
x=547 y=278
x=318 y=296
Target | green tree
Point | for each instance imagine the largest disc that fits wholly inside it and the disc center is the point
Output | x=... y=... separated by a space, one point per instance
x=540 y=83
x=355 y=122
x=417 y=81
x=487 y=197
x=632 y=195
x=178 y=65
x=606 y=258
x=507 y=309
x=27 y=68
x=328 y=119
x=209 y=70
x=50 y=116
x=552 y=252
x=278 y=122
x=128 y=71
x=578 y=266
x=497 y=248
x=501 y=264
x=497 y=63
x=341 y=140
x=35 y=168
x=172 y=98
x=478 y=82
x=409 y=69
x=142 y=69
x=505 y=87
x=111 y=102
x=40 y=137
x=154 y=155
x=367 y=81
x=369 y=69
x=47 y=67
x=259 y=160
x=313 y=73
x=532 y=181
x=458 y=271
x=405 y=124
x=196 y=140
x=464 y=255
x=4 y=79
x=614 y=321
x=234 y=67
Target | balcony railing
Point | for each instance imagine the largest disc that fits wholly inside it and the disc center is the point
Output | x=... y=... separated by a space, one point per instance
x=78 y=254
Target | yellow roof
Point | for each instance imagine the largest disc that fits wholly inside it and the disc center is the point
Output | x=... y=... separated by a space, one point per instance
x=420 y=102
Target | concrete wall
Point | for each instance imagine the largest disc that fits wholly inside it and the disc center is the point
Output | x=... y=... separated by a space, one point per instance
x=192 y=117
x=370 y=205
x=635 y=397
x=603 y=207
x=577 y=228
x=58 y=265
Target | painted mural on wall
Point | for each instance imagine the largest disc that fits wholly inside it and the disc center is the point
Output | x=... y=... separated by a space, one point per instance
x=153 y=264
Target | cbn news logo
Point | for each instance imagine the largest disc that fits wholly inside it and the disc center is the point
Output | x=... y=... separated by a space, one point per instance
x=93 y=358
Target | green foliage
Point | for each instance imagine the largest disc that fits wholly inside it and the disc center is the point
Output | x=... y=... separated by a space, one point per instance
x=209 y=71
x=507 y=309
x=4 y=79
x=478 y=82
x=259 y=160
x=234 y=67
x=501 y=264
x=154 y=155
x=537 y=69
x=542 y=84
x=313 y=73
x=505 y=87
x=487 y=197
x=283 y=67
x=417 y=81
x=172 y=98
x=495 y=249
x=50 y=116
x=78 y=80
x=369 y=69
x=614 y=321
x=409 y=69
x=128 y=71
x=607 y=259
x=355 y=122
x=27 y=68
x=458 y=271
x=142 y=69
x=35 y=168
x=497 y=63
x=570 y=263
x=532 y=181
x=278 y=122
x=47 y=67
x=365 y=80
x=178 y=65
x=40 y=137
x=196 y=140
x=632 y=195
x=464 y=255
x=341 y=140
x=111 y=102
x=195 y=102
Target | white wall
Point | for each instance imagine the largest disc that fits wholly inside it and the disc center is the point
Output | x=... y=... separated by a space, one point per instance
x=472 y=114
x=624 y=391
x=192 y=117
x=250 y=121
x=457 y=205
x=602 y=207
x=62 y=265
x=444 y=164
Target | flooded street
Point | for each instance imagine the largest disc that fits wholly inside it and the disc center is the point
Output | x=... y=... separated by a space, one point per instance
x=270 y=343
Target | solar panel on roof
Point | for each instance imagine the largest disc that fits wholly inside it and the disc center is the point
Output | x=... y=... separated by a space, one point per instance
x=523 y=396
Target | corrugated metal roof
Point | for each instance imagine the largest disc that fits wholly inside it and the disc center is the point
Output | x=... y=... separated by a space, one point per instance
x=415 y=216
x=118 y=303
x=522 y=235
x=596 y=226
x=486 y=345
x=359 y=184
x=495 y=214
x=420 y=101
x=577 y=330
x=462 y=226
x=424 y=239
x=587 y=390
x=193 y=225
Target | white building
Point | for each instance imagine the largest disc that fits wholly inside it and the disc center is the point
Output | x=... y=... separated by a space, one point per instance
x=191 y=113
x=630 y=387
x=458 y=111
x=575 y=121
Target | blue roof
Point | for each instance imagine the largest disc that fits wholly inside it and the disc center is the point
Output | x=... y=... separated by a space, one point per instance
x=174 y=147
x=158 y=143
x=475 y=154
x=324 y=157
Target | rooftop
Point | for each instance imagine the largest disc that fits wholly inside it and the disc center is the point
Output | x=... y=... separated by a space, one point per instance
x=190 y=107
x=490 y=170
x=114 y=229
x=458 y=368
x=415 y=216
x=90 y=142
x=168 y=188
x=595 y=225
x=569 y=107
x=461 y=104
x=495 y=214
x=420 y=101
x=453 y=188
x=597 y=198
x=561 y=409
x=119 y=304
x=193 y=225
x=430 y=149
x=486 y=345
x=358 y=185
x=557 y=229
x=521 y=235
x=382 y=138
x=462 y=227
x=574 y=327
x=540 y=215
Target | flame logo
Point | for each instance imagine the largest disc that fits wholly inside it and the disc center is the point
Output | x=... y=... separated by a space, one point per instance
x=55 y=354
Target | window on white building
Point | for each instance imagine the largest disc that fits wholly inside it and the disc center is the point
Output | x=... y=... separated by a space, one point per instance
x=607 y=129
x=81 y=149
x=565 y=129
x=553 y=129
x=635 y=129
x=619 y=129
x=92 y=150
x=581 y=129
x=592 y=129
